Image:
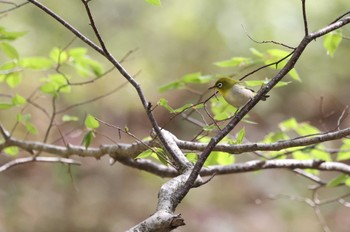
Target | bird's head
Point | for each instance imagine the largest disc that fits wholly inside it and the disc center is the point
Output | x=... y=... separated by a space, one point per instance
x=224 y=84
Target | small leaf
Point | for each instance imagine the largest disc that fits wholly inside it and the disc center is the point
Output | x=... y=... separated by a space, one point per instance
x=240 y=136
x=163 y=102
x=338 y=180
x=144 y=154
x=172 y=86
x=36 y=63
x=7 y=35
x=13 y=79
x=18 y=100
x=31 y=128
x=235 y=61
x=344 y=153
x=69 y=118
x=12 y=151
x=9 y=50
x=87 y=139
x=332 y=41
x=192 y=157
x=91 y=122
x=256 y=52
x=58 y=56
x=288 y=124
x=154 y=2
x=5 y=106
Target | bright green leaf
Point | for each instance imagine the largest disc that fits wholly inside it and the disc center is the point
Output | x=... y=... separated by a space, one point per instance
x=91 y=122
x=289 y=124
x=9 y=50
x=339 y=180
x=5 y=106
x=235 y=61
x=31 y=128
x=7 y=35
x=144 y=154
x=344 y=153
x=154 y=2
x=69 y=118
x=36 y=63
x=12 y=151
x=14 y=79
x=87 y=139
x=192 y=157
x=332 y=41
x=256 y=52
x=294 y=74
x=77 y=52
x=321 y=155
x=172 y=86
x=58 y=56
x=18 y=100
x=163 y=102
x=240 y=136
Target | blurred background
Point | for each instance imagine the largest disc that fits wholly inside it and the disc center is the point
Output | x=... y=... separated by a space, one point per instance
x=166 y=43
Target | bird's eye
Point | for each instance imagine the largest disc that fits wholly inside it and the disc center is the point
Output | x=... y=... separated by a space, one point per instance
x=219 y=85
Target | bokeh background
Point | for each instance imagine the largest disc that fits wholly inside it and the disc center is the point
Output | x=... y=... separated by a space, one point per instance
x=170 y=41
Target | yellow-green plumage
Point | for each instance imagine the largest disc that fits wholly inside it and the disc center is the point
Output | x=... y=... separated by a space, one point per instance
x=234 y=93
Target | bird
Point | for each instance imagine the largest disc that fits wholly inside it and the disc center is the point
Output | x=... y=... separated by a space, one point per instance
x=234 y=93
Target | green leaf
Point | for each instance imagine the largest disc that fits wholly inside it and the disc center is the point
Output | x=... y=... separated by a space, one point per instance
x=274 y=137
x=154 y=2
x=256 y=52
x=36 y=63
x=192 y=157
x=240 y=136
x=332 y=41
x=6 y=35
x=299 y=155
x=219 y=158
x=307 y=129
x=344 y=153
x=77 y=52
x=163 y=102
x=172 y=86
x=13 y=79
x=235 y=61
x=9 y=50
x=31 y=128
x=55 y=83
x=91 y=122
x=49 y=87
x=5 y=106
x=288 y=124
x=221 y=109
x=347 y=182
x=339 y=180
x=209 y=127
x=87 y=139
x=321 y=155
x=58 y=56
x=12 y=151
x=144 y=154
x=69 y=118
x=294 y=74
x=18 y=100
x=24 y=119
x=86 y=66
x=196 y=78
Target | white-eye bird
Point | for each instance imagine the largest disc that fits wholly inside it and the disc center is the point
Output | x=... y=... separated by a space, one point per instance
x=234 y=93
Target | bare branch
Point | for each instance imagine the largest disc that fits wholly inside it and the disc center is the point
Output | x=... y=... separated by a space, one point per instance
x=31 y=159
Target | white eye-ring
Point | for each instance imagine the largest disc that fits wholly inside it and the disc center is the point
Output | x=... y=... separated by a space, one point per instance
x=219 y=85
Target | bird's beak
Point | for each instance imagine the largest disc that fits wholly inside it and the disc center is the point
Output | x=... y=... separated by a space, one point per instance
x=213 y=87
